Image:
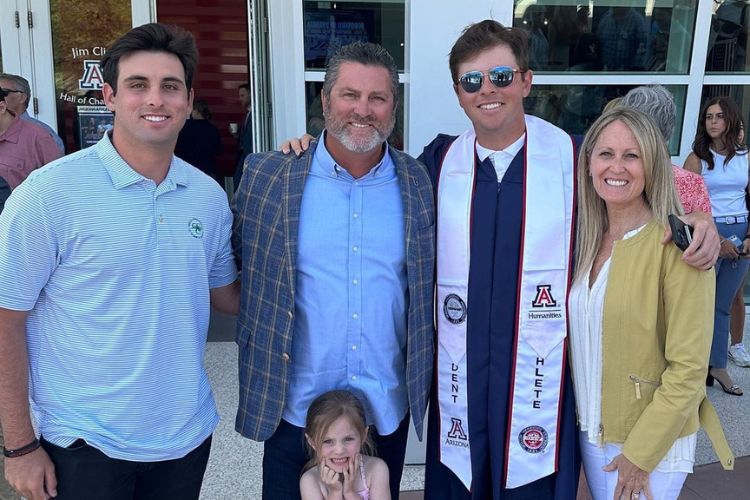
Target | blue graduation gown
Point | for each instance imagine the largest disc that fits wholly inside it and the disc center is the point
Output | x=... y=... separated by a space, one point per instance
x=492 y=296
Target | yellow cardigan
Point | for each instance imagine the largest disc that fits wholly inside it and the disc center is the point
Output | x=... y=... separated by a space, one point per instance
x=657 y=331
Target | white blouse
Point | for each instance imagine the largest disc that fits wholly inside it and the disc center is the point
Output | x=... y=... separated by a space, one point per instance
x=586 y=319
x=726 y=184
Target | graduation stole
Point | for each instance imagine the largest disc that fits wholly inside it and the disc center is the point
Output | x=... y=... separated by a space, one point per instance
x=541 y=315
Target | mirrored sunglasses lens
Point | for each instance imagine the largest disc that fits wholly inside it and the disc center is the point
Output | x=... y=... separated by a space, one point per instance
x=471 y=82
x=501 y=77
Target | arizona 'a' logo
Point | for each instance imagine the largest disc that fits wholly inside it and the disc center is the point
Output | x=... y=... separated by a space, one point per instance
x=544 y=297
x=457 y=429
x=92 y=78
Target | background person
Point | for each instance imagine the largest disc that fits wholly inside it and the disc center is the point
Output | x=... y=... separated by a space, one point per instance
x=23 y=146
x=340 y=448
x=737 y=352
x=244 y=132
x=638 y=377
x=721 y=158
x=656 y=102
x=199 y=142
x=4 y=193
x=19 y=97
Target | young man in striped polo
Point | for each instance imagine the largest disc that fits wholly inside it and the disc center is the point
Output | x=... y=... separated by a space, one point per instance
x=109 y=258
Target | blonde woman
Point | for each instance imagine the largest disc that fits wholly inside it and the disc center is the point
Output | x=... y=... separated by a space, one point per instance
x=639 y=317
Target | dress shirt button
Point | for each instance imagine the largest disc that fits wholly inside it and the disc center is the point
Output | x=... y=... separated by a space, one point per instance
x=354 y=377
x=355 y=215
x=355 y=315
x=291 y=315
x=355 y=281
x=354 y=347
x=285 y=357
x=355 y=248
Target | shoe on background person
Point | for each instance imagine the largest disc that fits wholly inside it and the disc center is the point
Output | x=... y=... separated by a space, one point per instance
x=739 y=355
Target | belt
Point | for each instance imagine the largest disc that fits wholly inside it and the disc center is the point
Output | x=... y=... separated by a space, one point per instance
x=732 y=219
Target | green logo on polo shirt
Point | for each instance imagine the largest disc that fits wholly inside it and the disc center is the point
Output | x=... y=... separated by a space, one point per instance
x=196 y=228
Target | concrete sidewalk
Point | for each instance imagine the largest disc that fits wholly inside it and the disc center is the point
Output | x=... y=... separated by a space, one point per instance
x=234 y=469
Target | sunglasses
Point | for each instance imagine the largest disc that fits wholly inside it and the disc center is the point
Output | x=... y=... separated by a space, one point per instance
x=501 y=76
x=11 y=91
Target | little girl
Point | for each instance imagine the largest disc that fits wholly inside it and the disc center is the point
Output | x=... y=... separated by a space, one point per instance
x=340 y=467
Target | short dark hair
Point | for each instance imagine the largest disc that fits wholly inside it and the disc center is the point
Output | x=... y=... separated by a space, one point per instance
x=245 y=86
x=3 y=93
x=484 y=35
x=201 y=107
x=366 y=53
x=153 y=37
x=21 y=84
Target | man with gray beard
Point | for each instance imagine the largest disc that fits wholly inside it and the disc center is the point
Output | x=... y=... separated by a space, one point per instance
x=337 y=251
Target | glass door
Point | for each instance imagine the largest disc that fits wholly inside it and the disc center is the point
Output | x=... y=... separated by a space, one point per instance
x=57 y=45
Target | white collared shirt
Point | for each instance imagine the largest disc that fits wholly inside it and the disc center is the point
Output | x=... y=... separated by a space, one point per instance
x=501 y=159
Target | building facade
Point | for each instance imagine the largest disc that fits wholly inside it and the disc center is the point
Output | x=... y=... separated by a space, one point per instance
x=582 y=53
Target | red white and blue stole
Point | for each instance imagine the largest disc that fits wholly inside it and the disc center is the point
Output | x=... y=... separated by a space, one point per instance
x=541 y=316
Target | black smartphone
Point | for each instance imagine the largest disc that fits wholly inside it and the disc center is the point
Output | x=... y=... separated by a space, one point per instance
x=682 y=234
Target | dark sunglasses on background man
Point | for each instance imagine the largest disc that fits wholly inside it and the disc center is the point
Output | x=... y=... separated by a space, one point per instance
x=11 y=91
x=500 y=76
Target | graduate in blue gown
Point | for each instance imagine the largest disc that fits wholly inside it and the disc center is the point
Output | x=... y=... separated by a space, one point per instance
x=495 y=255
x=497 y=205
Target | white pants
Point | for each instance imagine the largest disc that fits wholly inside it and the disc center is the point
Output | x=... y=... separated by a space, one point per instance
x=664 y=485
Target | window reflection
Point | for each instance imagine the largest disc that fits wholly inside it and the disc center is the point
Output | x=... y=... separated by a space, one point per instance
x=727 y=43
x=329 y=25
x=599 y=36
x=574 y=108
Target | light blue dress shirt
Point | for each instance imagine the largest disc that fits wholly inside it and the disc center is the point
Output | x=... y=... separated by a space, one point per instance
x=351 y=301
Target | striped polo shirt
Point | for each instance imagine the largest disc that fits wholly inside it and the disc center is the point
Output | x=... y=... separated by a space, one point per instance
x=115 y=271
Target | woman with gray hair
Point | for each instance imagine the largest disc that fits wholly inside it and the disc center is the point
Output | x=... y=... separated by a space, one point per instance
x=639 y=317
x=657 y=103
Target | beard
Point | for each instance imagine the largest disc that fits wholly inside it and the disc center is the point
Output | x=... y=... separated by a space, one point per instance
x=377 y=132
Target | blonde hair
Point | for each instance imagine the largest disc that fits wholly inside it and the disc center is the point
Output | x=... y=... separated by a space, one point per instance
x=617 y=101
x=658 y=192
x=324 y=411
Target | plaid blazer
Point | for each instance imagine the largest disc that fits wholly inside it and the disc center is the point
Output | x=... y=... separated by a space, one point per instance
x=266 y=224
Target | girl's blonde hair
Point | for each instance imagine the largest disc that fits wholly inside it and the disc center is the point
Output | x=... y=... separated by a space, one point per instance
x=658 y=192
x=325 y=410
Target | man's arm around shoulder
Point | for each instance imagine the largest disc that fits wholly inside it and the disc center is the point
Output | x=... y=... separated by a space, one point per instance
x=33 y=474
